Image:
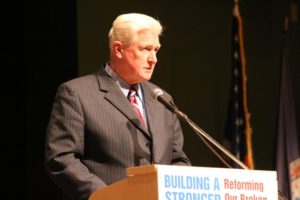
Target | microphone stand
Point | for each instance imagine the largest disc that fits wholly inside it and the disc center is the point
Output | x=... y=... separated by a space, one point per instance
x=200 y=133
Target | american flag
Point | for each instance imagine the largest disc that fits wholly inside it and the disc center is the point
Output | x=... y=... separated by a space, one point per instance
x=238 y=131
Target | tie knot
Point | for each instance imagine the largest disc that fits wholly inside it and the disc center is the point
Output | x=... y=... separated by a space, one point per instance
x=131 y=92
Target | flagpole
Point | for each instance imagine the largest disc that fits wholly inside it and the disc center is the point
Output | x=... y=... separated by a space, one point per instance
x=248 y=129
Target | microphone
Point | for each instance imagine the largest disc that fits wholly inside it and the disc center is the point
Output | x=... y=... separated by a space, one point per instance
x=157 y=94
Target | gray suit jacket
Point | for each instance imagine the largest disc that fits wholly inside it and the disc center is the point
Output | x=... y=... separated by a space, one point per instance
x=94 y=134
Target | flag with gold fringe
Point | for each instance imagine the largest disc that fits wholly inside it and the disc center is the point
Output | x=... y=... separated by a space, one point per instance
x=238 y=132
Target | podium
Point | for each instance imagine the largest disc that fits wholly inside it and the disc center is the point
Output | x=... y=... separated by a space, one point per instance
x=167 y=182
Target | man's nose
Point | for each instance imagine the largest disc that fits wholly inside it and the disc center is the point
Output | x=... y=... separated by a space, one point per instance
x=152 y=57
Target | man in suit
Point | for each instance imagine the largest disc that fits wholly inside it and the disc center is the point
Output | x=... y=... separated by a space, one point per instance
x=95 y=133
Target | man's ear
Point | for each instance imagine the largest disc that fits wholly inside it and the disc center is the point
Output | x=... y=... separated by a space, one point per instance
x=117 y=47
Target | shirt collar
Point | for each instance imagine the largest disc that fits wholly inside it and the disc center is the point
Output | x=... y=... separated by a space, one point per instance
x=123 y=85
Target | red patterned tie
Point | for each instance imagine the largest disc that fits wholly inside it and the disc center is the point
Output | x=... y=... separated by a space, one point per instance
x=132 y=98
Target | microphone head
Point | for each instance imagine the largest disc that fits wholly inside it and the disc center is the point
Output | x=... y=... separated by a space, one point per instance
x=156 y=92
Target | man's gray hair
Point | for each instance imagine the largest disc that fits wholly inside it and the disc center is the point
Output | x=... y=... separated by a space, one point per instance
x=126 y=26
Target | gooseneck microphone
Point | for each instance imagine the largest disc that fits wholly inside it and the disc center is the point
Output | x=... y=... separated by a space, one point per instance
x=157 y=94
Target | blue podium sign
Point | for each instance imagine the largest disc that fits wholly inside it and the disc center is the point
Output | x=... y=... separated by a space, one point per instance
x=202 y=183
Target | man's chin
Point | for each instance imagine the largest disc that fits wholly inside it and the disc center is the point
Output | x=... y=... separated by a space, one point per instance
x=147 y=78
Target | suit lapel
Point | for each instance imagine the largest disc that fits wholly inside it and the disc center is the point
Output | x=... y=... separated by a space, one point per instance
x=114 y=95
x=156 y=125
x=151 y=107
